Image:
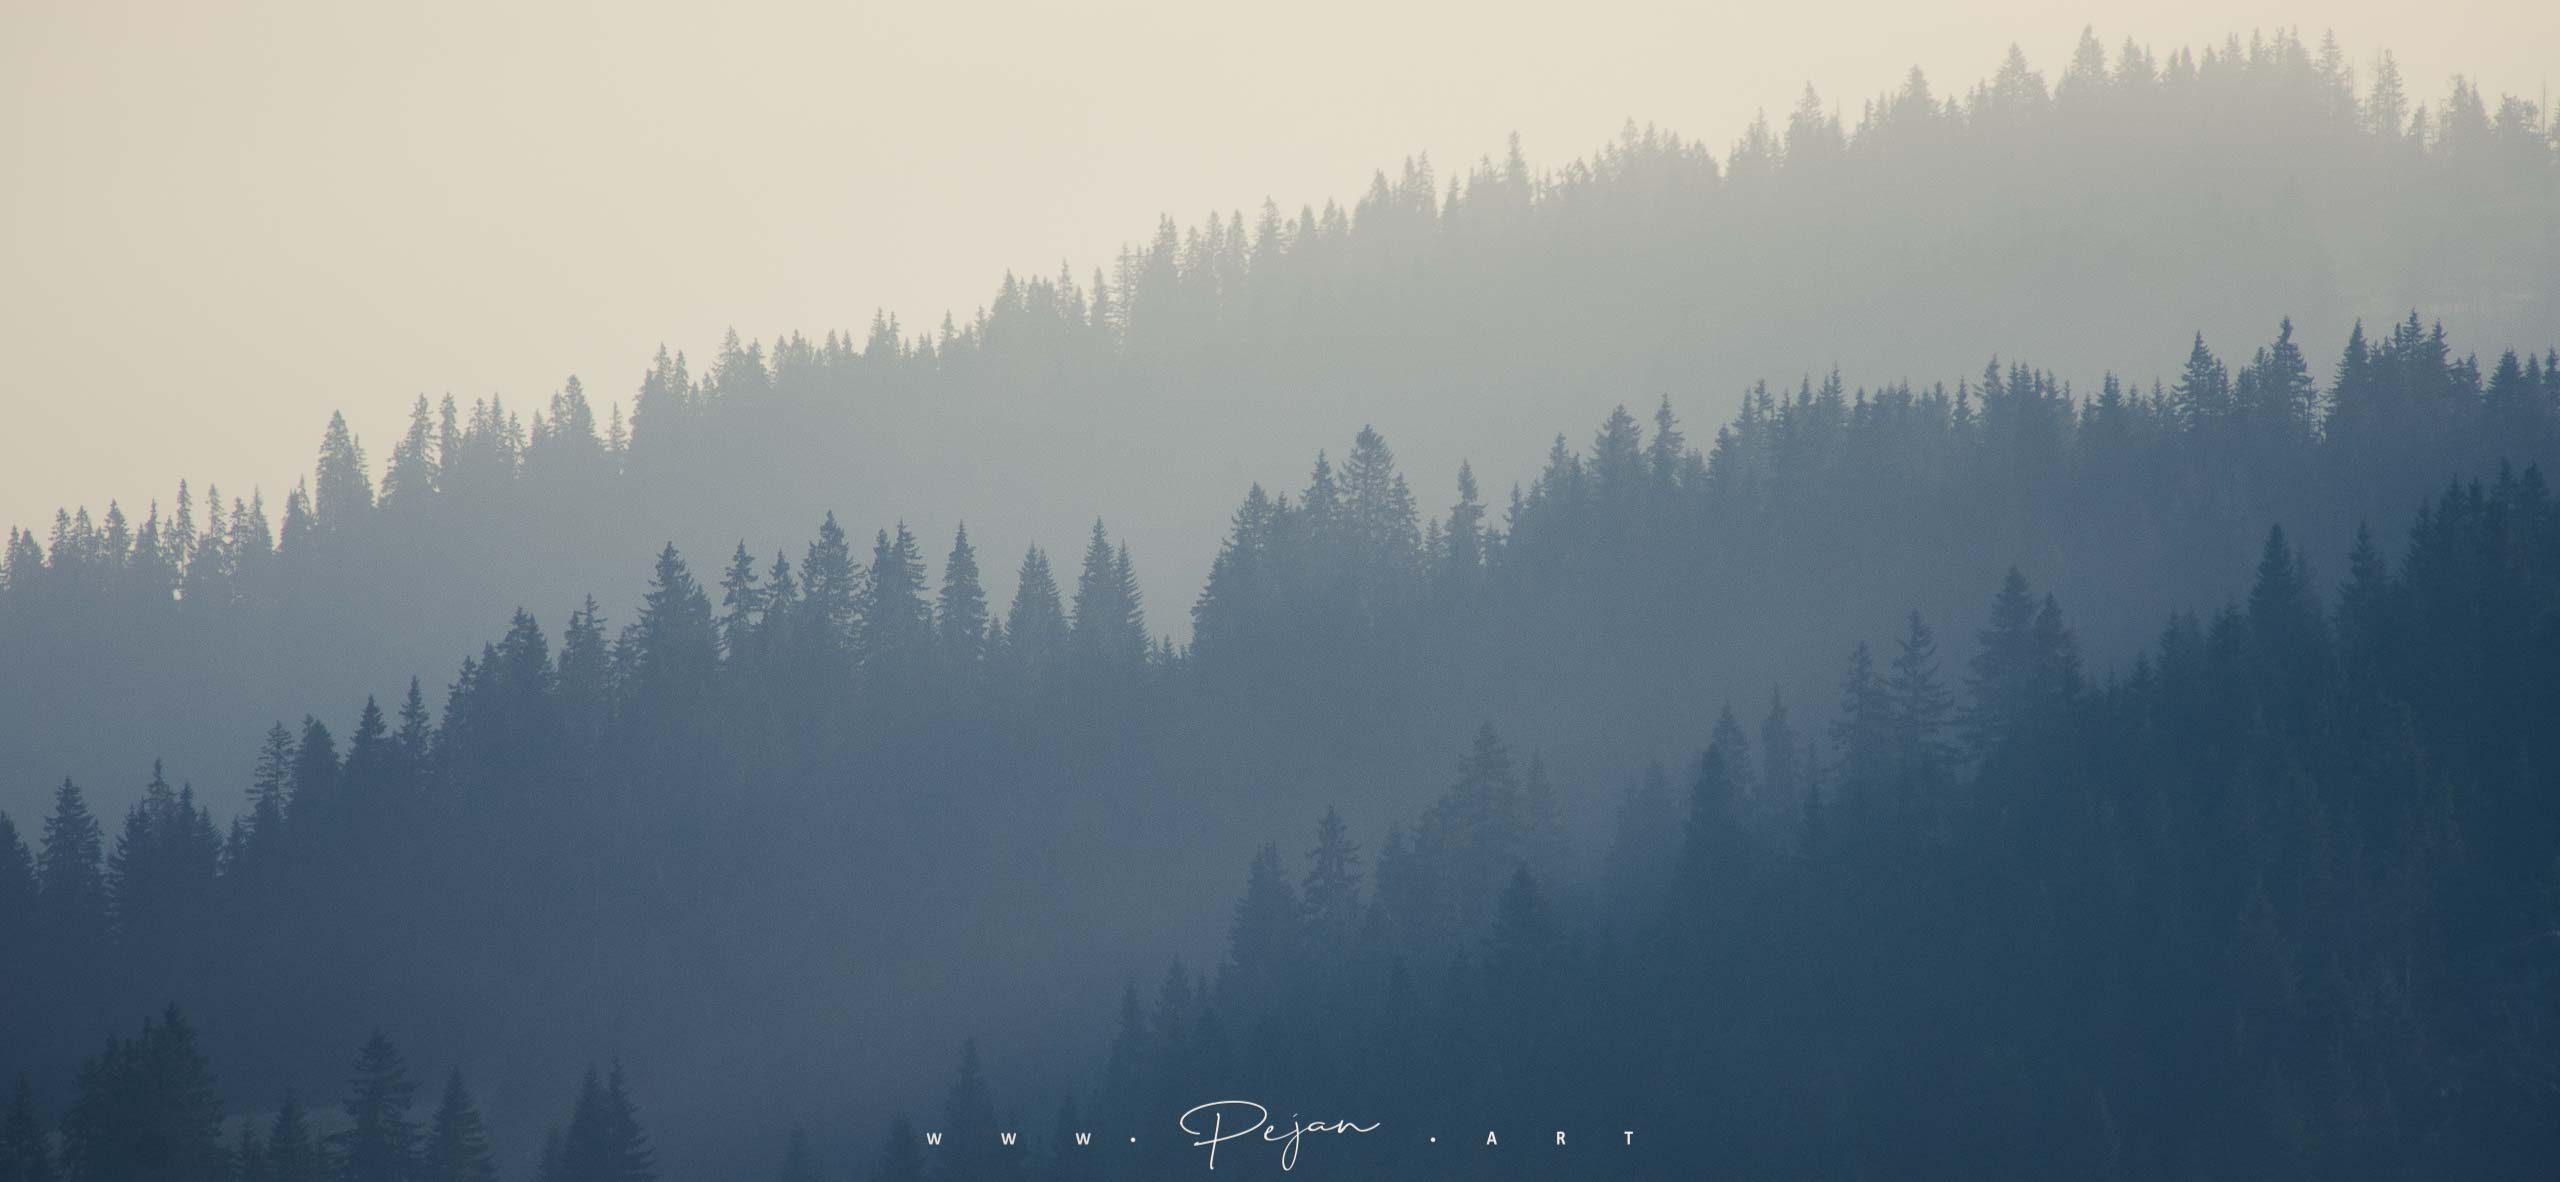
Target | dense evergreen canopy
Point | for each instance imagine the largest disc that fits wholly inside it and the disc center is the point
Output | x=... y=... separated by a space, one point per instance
x=581 y=807
x=2085 y=215
x=1828 y=788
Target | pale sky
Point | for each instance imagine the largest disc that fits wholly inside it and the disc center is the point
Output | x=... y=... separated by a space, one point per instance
x=224 y=220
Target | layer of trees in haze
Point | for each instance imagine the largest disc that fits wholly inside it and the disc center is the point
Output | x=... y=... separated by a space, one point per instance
x=2274 y=900
x=788 y=831
x=2087 y=214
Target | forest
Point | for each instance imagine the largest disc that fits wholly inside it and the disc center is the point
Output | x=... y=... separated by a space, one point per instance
x=2335 y=791
x=2014 y=774
x=2088 y=217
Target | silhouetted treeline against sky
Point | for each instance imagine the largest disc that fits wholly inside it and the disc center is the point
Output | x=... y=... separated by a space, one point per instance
x=2086 y=215
x=786 y=833
x=151 y=1107
x=2272 y=901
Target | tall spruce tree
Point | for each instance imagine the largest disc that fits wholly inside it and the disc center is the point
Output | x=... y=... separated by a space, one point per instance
x=146 y=1109
x=294 y=1154
x=380 y=1140
x=457 y=1143
x=960 y=609
x=69 y=870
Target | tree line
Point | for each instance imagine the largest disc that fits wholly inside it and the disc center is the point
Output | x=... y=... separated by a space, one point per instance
x=149 y=1109
x=727 y=781
x=2274 y=900
x=1447 y=306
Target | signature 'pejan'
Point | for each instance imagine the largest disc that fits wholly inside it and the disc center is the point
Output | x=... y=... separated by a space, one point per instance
x=1259 y=1122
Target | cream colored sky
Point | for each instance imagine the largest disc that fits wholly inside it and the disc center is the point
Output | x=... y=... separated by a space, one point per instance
x=224 y=220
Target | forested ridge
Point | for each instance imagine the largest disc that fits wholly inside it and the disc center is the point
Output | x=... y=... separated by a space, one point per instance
x=834 y=791
x=2085 y=216
x=2274 y=900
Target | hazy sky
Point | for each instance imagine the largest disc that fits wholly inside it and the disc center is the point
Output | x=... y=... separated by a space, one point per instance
x=224 y=220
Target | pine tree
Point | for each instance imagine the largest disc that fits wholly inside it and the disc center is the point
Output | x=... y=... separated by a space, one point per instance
x=1713 y=845
x=1331 y=889
x=342 y=493
x=1379 y=522
x=457 y=1145
x=374 y=772
x=1479 y=826
x=416 y=732
x=741 y=602
x=2004 y=674
x=896 y=620
x=960 y=610
x=411 y=479
x=380 y=1142
x=293 y=1155
x=631 y=1157
x=163 y=866
x=1668 y=453
x=2204 y=390
x=603 y=1142
x=1264 y=943
x=270 y=792
x=675 y=643
x=1735 y=747
x=1463 y=543
x=69 y=870
x=1035 y=628
x=312 y=783
x=1922 y=708
x=146 y=1109
x=829 y=586
x=1106 y=634
x=585 y=680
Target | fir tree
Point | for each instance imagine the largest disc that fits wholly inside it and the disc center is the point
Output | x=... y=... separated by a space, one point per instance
x=146 y=1109
x=829 y=589
x=960 y=610
x=380 y=1142
x=69 y=873
x=293 y=1154
x=1264 y=943
x=1331 y=890
x=457 y=1144
x=741 y=602
x=897 y=621
x=1035 y=628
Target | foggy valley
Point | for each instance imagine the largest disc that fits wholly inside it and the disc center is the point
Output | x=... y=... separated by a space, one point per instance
x=1995 y=628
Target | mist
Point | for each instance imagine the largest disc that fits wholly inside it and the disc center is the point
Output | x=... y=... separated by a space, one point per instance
x=1986 y=615
x=223 y=225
